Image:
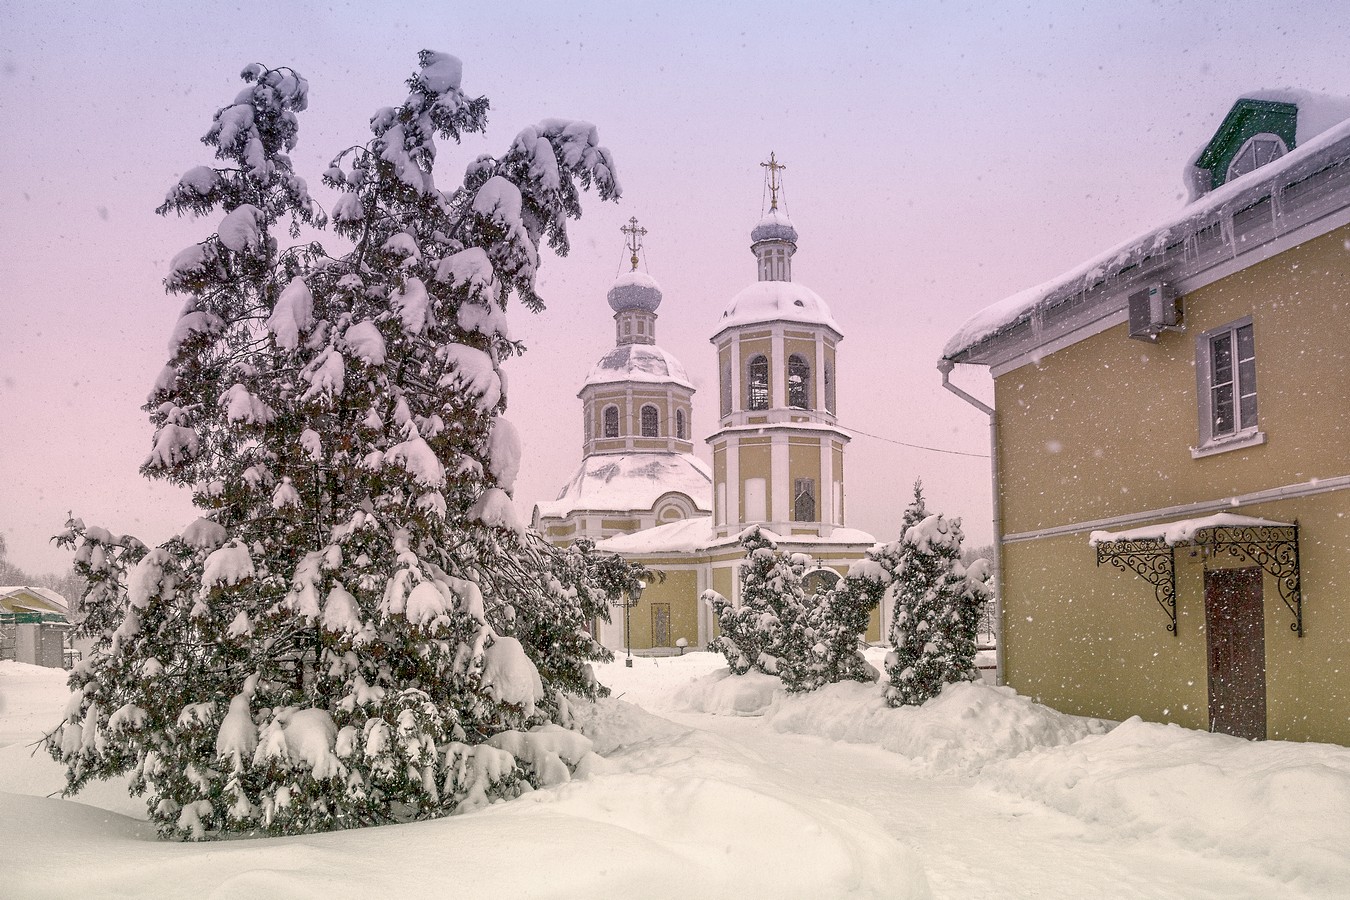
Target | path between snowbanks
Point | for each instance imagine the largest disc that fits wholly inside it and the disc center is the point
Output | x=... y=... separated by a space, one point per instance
x=1282 y=806
x=672 y=813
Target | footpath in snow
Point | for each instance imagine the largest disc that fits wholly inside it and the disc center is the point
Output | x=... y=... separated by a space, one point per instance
x=714 y=786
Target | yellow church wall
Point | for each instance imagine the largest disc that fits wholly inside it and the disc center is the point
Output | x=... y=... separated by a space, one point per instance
x=838 y=451
x=755 y=462
x=679 y=590
x=804 y=462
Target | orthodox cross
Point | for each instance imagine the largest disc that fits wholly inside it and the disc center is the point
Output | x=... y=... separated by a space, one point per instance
x=635 y=233
x=775 y=183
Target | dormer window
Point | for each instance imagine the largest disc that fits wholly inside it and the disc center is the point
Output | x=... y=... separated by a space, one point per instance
x=1259 y=150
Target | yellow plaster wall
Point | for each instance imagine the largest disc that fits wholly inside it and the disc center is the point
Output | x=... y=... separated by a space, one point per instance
x=1093 y=641
x=755 y=462
x=804 y=462
x=680 y=590
x=1105 y=427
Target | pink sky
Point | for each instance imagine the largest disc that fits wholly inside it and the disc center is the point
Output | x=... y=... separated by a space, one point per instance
x=940 y=157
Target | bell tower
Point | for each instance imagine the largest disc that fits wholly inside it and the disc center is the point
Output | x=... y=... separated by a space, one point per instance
x=778 y=453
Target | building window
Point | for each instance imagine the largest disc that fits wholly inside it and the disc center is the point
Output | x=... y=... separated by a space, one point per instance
x=611 y=421
x=757 y=383
x=650 y=421
x=1227 y=389
x=804 y=500
x=799 y=382
x=590 y=425
x=829 y=386
x=681 y=427
x=726 y=386
x=1259 y=150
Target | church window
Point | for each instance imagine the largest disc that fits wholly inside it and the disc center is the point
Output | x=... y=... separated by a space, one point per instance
x=726 y=386
x=681 y=427
x=799 y=382
x=819 y=581
x=611 y=421
x=1259 y=150
x=757 y=385
x=590 y=426
x=641 y=327
x=804 y=500
x=829 y=386
x=650 y=421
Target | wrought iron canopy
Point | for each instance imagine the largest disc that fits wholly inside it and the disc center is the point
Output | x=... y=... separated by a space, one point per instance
x=1273 y=547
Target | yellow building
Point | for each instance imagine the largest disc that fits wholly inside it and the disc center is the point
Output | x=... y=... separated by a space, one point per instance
x=1171 y=471
x=778 y=456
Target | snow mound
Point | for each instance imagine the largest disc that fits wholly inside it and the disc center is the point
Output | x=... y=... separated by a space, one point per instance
x=1284 y=805
x=723 y=694
x=675 y=834
x=613 y=724
x=960 y=732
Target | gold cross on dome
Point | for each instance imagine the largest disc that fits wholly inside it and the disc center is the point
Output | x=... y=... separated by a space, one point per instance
x=775 y=183
x=635 y=233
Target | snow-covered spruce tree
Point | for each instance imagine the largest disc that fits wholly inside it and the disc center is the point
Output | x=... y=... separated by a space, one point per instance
x=838 y=621
x=771 y=631
x=937 y=607
x=357 y=630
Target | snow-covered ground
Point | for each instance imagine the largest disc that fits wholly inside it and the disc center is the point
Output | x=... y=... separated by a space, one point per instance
x=713 y=786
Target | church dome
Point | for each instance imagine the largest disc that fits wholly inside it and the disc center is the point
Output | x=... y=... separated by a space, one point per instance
x=638 y=362
x=634 y=291
x=777 y=301
x=773 y=227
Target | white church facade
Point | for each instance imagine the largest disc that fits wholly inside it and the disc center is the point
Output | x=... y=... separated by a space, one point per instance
x=777 y=451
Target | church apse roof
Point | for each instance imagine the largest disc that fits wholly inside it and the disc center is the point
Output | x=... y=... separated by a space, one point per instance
x=632 y=481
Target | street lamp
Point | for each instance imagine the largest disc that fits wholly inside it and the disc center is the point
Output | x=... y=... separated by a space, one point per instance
x=633 y=597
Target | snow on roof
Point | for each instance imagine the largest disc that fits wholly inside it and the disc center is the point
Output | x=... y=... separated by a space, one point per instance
x=623 y=482
x=638 y=362
x=777 y=301
x=11 y=596
x=774 y=227
x=692 y=535
x=1320 y=150
x=1180 y=532
x=634 y=290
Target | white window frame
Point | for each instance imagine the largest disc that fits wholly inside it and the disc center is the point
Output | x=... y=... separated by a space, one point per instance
x=1211 y=443
x=1263 y=137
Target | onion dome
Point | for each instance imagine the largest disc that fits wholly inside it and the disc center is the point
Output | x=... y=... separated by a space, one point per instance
x=634 y=291
x=773 y=227
x=638 y=362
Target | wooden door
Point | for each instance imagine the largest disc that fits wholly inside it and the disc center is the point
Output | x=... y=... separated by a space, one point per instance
x=660 y=624
x=1235 y=624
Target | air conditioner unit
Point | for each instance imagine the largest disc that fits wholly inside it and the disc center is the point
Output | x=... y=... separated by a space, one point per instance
x=1154 y=309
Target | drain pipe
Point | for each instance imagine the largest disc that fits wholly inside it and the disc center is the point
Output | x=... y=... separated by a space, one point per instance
x=945 y=366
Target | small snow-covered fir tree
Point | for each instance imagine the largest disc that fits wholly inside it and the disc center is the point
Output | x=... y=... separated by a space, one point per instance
x=771 y=630
x=839 y=622
x=358 y=629
x=937 y=606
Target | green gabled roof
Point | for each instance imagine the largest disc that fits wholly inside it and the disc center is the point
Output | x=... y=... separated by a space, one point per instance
x=1247 y=118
